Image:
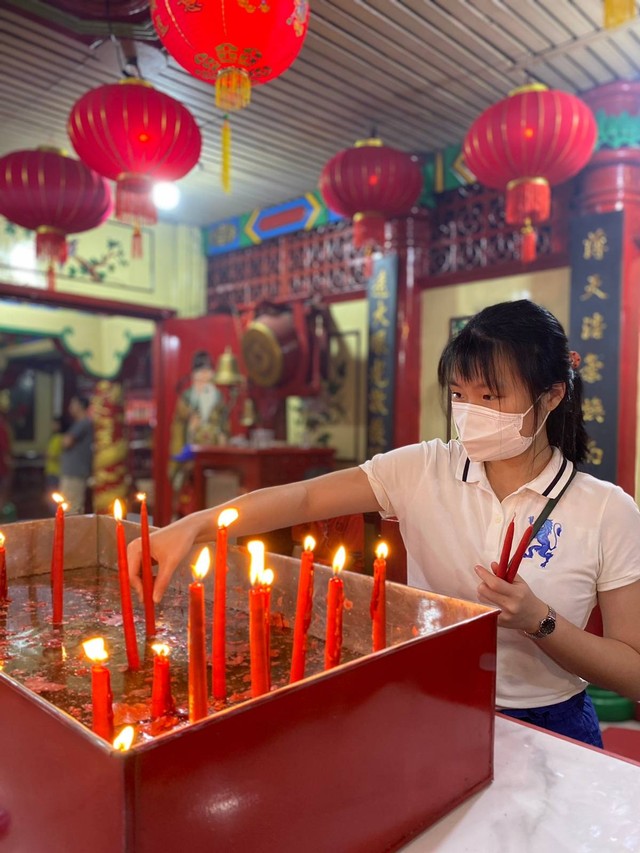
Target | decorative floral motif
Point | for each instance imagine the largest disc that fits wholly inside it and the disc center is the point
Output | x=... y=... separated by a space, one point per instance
x=299 y=16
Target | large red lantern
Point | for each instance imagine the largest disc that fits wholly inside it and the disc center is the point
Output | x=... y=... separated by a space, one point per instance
x=525 y=144
x=54 y=195
x=135 y=135
x=233 y=44
x=371 y=183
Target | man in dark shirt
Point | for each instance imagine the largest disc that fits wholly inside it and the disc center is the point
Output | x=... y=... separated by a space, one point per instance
x=77 y=456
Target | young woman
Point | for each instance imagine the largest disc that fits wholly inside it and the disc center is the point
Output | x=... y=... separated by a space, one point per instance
x=516 y=401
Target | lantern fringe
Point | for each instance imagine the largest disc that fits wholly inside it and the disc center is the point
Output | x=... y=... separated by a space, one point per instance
x=528 y=243
x=368 y=230
x=233 y=89
x=527 y=198
x=618 y=12
x=225 y=165
x=136 y=242
x=134 y=203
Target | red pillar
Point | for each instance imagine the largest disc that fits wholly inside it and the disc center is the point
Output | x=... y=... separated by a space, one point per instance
x=611 y=181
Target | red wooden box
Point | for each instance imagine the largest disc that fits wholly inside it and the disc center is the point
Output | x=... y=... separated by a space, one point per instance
x=361 y=758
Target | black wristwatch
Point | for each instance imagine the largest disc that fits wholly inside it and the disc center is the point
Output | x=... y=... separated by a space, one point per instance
x=547 y=625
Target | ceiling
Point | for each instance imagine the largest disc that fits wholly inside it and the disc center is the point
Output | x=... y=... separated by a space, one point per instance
x=419 y=71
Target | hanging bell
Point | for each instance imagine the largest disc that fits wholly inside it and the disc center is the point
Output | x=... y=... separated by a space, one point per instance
x=248 y=417
x=227 y=372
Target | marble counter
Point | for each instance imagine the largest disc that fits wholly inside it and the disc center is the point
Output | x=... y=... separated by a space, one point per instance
x=548 y=795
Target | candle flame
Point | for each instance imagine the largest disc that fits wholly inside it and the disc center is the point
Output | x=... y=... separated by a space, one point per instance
x=64 y=653
x=161 y=649
x=65 y=506
x=256 y=549
x=202 y=564
x=57 y=497
x=141 y=496
x=117 y=510
x=382 y=551
x=124 y=740
x=267 y=578
x=227 y=516
x=309 y=543
x=2 y=539
x=339 y=560
x=95 y=650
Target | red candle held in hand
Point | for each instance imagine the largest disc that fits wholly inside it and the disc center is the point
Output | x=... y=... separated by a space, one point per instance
x=130 y=640
x=57 y=560
x=147 y=575
x=196 y=641
x=335 y=607
x=101 y=698
x=379 y=598
x=514 y=564
x=218 y=659
x=161 y=699
x=506 y=550
x=4 y=588
x=259 y=620
x=304 y=609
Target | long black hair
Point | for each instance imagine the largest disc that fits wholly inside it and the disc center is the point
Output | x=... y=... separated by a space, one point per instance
x=531 y=341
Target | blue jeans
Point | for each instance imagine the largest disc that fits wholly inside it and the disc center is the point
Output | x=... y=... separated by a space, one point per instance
x=575 y=717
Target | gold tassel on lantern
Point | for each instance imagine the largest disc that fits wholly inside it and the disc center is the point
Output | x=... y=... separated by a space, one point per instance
x=136 y=242
x=618 y=12
x=528 y=241
x=225 y=166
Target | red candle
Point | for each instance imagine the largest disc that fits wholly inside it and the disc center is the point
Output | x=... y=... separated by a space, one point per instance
x=335 y=607
x=4 y=590
x=147 y=575
x=101 y=698
x=514 y=565
x=161 y=698
x=124 y=740
x=379 y=598
x=196 y=642
x=125 y=592
x=258 y=621
x=304 y=608
x=57 y=559
x=506 y=550
x=218 y=658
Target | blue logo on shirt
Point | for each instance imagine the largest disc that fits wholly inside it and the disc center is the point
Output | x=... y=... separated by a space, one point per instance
x=547 y=539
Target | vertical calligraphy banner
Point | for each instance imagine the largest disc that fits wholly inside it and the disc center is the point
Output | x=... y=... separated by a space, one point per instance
x=382 y=295
x=596 y=280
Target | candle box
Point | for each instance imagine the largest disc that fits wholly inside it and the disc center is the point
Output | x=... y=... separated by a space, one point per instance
x=360 y=758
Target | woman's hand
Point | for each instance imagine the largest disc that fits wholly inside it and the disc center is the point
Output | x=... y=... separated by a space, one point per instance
x=169 y=546
x=521 y=609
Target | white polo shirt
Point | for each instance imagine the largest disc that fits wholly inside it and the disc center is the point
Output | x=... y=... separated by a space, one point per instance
x=451 y=520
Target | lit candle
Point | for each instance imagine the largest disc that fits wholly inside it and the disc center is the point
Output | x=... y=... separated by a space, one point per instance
x=101 y=698
x=130 y=640
x=218 y=658
x=258 y=649
x=379 y=598
x=304 y=608
x=197 y=647
x=335 y=606
x=147 y=576
x=4 y=589
x=57 y=559
x=161 y=698
x=124 y=740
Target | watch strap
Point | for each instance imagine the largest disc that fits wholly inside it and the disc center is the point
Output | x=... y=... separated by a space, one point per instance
x=543 y=631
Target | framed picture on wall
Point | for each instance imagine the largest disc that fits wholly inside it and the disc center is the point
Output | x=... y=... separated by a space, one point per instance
x=456 y=324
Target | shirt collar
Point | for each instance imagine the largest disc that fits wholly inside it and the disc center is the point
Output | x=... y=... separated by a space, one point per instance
x=549 y=482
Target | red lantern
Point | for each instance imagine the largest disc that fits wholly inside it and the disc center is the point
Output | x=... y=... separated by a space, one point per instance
x=371 y=183
x=135 y=135
x=526 y=143
x=53 y=195
x=234 y=44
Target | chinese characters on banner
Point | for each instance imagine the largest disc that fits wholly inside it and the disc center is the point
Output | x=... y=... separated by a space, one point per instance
x=596 y=274
x=381 y=292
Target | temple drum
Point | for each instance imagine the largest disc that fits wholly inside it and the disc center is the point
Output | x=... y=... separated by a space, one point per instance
x=271 y=349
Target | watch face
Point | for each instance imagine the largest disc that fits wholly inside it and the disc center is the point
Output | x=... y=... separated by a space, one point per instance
x=547 y=625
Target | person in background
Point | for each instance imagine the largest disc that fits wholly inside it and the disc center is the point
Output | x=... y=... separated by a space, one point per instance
x=76 y=462
x=53 y=457
x=516 y=399
x=6 y=459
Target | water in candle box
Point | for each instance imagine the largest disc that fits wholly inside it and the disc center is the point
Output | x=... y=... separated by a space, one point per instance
x=50 y=661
